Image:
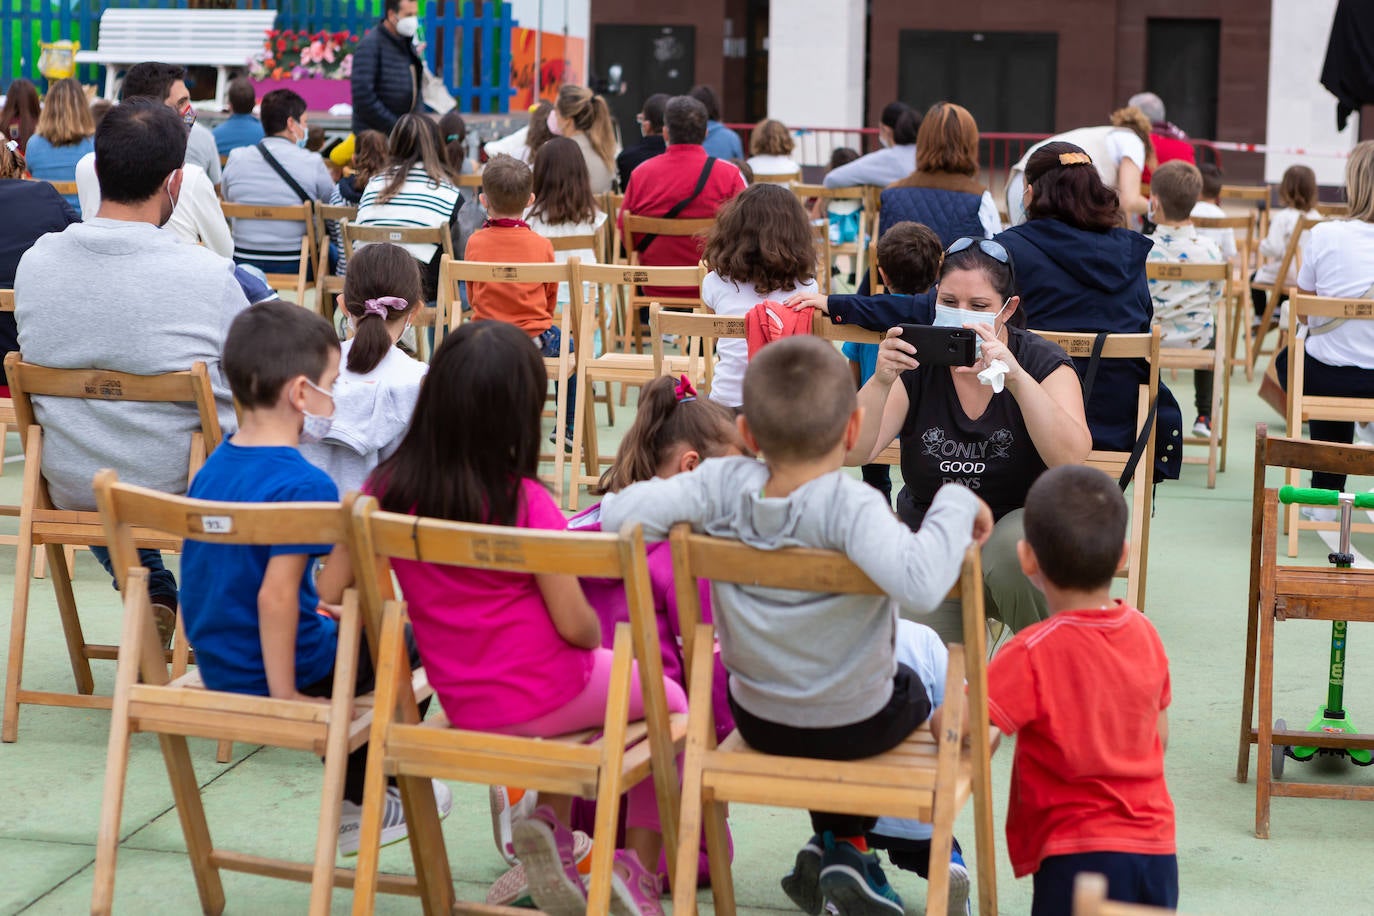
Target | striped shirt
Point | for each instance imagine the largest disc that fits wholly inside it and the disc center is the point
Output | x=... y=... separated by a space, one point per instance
x=420 y=202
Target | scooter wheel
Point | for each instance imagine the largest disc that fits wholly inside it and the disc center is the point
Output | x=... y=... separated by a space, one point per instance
x=1276 y=753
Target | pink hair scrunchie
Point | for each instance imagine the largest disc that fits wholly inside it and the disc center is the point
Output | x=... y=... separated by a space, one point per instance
x=382 y=307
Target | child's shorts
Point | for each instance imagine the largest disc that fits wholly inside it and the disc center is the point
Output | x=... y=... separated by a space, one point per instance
x=1131 y=878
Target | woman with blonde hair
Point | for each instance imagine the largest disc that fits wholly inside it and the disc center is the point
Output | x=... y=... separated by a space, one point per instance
x=1121 y=151
x=64 y=134
x=1338 y=260
x=943 y=193
x=582 y=116
x=770 y=151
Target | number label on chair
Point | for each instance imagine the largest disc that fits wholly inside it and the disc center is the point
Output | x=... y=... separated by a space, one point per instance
x=1168 y=271
x=1361 y=309
x=497 y=550
x=1077 y=346
x=212 y=524
x=104 y=388
x=395 y=236
x=262 y=213
x=505 y=273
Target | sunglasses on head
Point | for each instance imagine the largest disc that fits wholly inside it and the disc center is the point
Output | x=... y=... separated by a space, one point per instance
x=990 y=248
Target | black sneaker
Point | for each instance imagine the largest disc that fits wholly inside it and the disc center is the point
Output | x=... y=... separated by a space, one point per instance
x=567 y=441
x=854 y=881
x=802 y=884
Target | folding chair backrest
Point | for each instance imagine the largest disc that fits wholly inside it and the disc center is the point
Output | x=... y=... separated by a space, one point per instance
x=354 y=234
x=65 y=188
x=473 y=181
x=324 y=215
x=1292 y=255
x=636 y=227
x=824 y=328
x=453 y=272
x=631 y=277
x=590 y=240
x=1188 y=270
x=702 y=327
x=1243 y=226
x=1334 y=210
x=1301 y=405
x=292 y=213
x=610 y=204
x=6 y=300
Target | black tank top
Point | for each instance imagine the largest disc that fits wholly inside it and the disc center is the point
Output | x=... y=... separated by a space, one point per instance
x=992 y=455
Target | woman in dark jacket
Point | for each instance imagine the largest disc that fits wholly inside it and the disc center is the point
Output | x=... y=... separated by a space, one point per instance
x=943 y=193
x=1078 y=271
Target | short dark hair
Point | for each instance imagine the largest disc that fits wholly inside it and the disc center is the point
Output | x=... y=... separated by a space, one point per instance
x=137 y=145
x=1067 y=188
x=278 y=107
x=1001 y=275
x=1176 y=184
x=653 y=111
x=392 y=6
x=798 y=396
x=909 y=254
x=271 y=343
x=891 y=112
x=242 y=96
x=507 y=182
x=1075 y=522
x=707 y=96
x=1211 y=180
x=151 y=80
x=685 y=118
x=908 y=126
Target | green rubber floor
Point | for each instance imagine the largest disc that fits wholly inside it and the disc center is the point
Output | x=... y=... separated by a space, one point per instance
x=266 y=801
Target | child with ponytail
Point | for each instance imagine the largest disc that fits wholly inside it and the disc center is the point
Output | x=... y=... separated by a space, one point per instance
x=673 y=432
x=378 y=384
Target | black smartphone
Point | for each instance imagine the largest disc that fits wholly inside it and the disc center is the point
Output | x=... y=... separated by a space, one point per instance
x=941 y=346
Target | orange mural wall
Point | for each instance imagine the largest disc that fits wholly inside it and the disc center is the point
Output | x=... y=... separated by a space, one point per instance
x=562 y=62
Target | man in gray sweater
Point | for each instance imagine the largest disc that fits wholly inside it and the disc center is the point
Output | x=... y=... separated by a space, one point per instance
x=118 y=292
x=815 y=675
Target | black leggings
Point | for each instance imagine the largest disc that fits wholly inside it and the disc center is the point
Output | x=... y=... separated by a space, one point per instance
x=884 y=730
x=1330 y=381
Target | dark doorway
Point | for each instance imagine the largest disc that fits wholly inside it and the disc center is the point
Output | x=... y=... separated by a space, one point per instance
x=1182 y=62
x=1006 y=79
x=756 y=59
x=652 y=58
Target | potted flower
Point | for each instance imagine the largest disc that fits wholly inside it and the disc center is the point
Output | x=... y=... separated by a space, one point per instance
x=316 y=65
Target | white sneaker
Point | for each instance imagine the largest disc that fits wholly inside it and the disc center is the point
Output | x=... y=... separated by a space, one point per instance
x=394 y=827
x=1320 y=513
x=504 y=817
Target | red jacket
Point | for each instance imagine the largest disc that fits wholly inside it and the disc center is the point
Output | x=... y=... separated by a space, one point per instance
x=1167 y=148
x=769 y=321
x=662 y=182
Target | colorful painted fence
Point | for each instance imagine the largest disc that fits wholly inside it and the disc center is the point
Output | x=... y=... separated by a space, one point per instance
x=468 y=42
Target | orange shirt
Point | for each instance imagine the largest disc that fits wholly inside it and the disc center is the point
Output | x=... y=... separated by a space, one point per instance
x=1083 y=692
x=529 y=306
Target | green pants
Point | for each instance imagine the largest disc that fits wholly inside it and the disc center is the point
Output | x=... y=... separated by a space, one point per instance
x=1007 y=594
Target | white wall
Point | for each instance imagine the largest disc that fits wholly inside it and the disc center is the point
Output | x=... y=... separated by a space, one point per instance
x=816 y=62
x=577 y=14
x=1302 y=114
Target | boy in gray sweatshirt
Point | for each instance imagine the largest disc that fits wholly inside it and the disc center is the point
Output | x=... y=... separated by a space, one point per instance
x=816 y=675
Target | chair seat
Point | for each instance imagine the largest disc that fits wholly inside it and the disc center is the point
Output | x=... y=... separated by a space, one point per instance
x=735 y=772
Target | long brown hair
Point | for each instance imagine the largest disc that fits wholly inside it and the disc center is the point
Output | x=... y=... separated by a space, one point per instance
x=562 y=185
x=66 y=117
x=21 y=104
x=538 y=133
x=662 y=424
x=370 y=155
x=378 y=271
x=12 y=164
x=414 y=142
x=1298 y=189
x=589 y=114
x=762 y=237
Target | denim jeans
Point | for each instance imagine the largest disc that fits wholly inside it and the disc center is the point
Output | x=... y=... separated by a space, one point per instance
x=548 y=344
x=162 y=585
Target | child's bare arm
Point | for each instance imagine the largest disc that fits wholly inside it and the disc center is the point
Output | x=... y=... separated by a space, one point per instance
x=279 y=611
x=1164 y=729
x=336 y=576
x=811 y=299
x=573 y=617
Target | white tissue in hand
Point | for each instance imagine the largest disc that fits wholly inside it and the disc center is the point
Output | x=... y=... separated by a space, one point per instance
x=995 y=375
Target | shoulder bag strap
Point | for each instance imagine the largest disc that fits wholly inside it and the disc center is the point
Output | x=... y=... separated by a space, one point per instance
x=285 y=175
x=644 y=241
x=1090 y=374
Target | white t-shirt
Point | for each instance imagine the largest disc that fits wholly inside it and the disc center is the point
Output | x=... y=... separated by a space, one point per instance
x=1338 y=260
x=1272 y=247
x=1225 y=238
x=196 y=218
x=773 y=165
x=563 y=230
x=726 y=297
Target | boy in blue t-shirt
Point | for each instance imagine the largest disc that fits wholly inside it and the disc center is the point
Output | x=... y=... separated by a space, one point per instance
x=252 y=611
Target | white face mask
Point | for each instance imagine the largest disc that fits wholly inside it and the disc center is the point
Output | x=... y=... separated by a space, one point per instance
x=315 y=427
x=947 y=316
x=407 y=26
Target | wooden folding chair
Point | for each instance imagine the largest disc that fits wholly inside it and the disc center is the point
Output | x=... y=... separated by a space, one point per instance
x=290 y=213
x=561 y=368
x=599 y=763
x=1254 y=197
x=1127 y=346
x=825 y=329
x=1303 y=407
x=1216 y=358
x=699 y=331
x=149 y=699
x=1090 y=899
x=855 y=250
x=327 y=284
x=594 y=298
x=1333 y=210
x=65 y=188
x=631 y=369
x=354 y=235
x=918 y=779
x=634 y=228
x=43 y=524
x=1284 y=283
x=610 y=204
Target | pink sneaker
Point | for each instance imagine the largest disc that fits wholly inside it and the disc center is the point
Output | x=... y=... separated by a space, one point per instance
x=634 y=889
x=546 y=850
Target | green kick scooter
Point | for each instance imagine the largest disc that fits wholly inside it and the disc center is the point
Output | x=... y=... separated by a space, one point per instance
x=1331 y=718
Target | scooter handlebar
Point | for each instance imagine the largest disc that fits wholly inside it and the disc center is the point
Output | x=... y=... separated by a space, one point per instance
x=1309 y=496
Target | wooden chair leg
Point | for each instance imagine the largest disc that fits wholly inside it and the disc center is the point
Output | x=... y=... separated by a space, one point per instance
x=610 y=781
x=1268 y=563
x=71 y=623
x=580 y=422
x=191 y=811
x=718 y=855
x=19 y=617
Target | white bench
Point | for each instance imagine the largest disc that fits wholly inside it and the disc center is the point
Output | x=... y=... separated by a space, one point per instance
x=222 y=39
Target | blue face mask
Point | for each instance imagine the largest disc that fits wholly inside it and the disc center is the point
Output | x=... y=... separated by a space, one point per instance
x=947 y=316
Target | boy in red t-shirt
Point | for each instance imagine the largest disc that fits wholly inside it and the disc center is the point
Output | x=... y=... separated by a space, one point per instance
x=505 y=238
x=1086 y=693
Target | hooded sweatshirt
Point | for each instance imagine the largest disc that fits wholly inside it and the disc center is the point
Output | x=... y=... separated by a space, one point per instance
x=805 y=659
x=127 y=297
x=1077 y=280
x=371 y=414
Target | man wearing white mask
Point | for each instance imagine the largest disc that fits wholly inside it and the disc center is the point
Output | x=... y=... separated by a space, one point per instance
x=277 y=171
x=387 y=71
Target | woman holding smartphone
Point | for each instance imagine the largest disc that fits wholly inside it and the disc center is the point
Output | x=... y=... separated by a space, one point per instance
x=995 y=435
